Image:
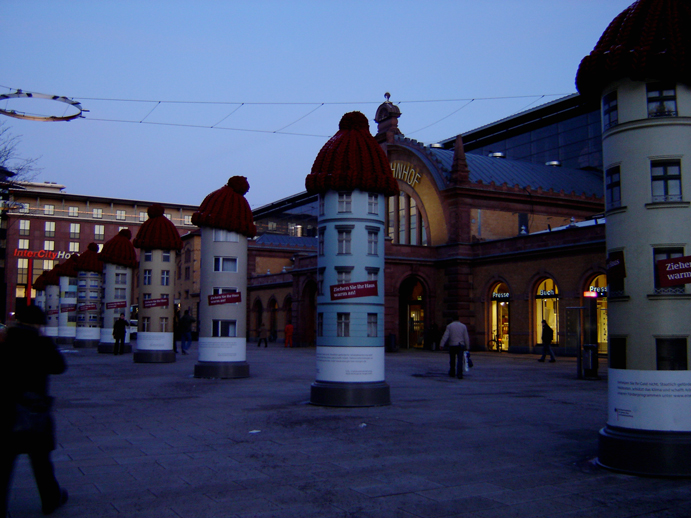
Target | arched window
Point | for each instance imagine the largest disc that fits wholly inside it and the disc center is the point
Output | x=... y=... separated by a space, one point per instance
x=547 y=309
x=499 y=317
x=404 y=221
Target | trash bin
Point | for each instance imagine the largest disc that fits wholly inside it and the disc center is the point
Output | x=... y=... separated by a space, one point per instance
x=590 y=362
x=391 y=345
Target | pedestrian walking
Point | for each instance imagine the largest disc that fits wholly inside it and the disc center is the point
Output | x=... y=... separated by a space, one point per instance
x=263 y=335
x=456 y=335
x=185 y=327
x=27 y=421
x=288 y=335
x=547 y=336
x=119 y=333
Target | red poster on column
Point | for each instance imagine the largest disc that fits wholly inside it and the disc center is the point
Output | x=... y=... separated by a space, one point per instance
x=354 y=290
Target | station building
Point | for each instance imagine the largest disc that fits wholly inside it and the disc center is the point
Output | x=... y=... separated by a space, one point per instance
x=502 y=242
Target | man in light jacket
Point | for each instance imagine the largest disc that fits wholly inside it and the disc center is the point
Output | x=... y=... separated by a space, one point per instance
x=456 y=335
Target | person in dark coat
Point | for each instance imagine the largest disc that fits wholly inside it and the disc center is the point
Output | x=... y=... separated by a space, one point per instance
x=119 y=332
x=28 y=359
x=185 y=327
x=547 y=336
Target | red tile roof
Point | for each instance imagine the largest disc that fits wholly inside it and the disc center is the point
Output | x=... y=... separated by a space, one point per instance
x=88 y=261
x=157 y=232
x=120 y=250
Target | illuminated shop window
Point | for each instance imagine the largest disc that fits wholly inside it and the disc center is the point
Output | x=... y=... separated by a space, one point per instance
x=499 y=317
x=404 y=221
x=546 y=308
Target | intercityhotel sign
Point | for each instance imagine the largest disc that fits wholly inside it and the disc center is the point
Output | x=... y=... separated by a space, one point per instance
x=673 y=272
x=50 y=255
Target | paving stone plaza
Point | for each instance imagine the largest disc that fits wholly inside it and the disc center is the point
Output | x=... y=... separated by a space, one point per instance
x=515 y=438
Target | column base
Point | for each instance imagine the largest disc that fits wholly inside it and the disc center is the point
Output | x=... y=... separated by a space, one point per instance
x=85 y=344
x=326 y=393
x=223 y=370
x=106 y=348
x=660 y=454
x=154 y=356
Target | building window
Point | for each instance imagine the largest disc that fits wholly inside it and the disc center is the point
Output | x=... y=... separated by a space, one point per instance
x=661 y=254
x=73 y=212
x=320 y=324
x=188 y=255
x=50 y=228
x=662 y=100
x=146 y=296
x=49 y=210
x=120 y=278
x=97 y=213
x=371 y=324
x=148 y=256
x=322 y=233
x=165 y=277
x=613 y=188
x=74 y=247
x=344 y=241
x=169 y=216
x=320 y=281
x=147 y=278
x=617 y=352
x=188 y=219
x=223 y=328
x=23 y=244
x=345 y=202
x=321 y=204
x=221 y=291
x=165 y=256
x=225 y=264
x=271 y=225
x=372 y=273
x=343 y=276
x=145 y=323
x=24 y=227
x=610 y=110
x=120 y=215
x=75 y=228
x=372 y=242
x=143 y=216
x=224 y=235
x=187 y=273
x=99 y=232
x=343 y=324
x=666 y=180
x=405 y=223
x=373 y=203
x=164 y=324
x=671 y=354
x=49 y=245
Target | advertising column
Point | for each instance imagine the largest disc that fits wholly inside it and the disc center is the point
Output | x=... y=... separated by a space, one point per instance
x=67 y=317
x=89 y=296
x=119 y=259
x=52 y=306
x=352 y=176
x=225 y=219
x=158 y=240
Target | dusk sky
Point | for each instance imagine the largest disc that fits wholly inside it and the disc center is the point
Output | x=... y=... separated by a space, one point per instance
x=183 y=95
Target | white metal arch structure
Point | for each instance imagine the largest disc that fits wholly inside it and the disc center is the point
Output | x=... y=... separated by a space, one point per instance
x=45 y=118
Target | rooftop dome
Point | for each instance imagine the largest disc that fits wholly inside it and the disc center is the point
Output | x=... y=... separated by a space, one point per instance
x=50 y=278
x=120 y=250
x=648 y=40
x=157 y=232
x=227 y=208
x=40 y=282
x=352 y=159
x=68 y=268
x=88 y=261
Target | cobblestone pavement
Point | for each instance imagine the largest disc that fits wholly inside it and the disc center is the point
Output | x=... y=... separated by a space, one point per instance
x=515 y=438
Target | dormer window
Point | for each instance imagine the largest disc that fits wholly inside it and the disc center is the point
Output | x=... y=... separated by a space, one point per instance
x=662 y=100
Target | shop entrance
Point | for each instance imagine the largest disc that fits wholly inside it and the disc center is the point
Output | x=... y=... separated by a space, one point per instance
x=412 y=310
x=499 y=318
x=546 y=308
x=599 y=286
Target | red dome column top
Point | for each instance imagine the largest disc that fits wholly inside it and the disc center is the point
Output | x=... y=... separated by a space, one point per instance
x=88 y=261
x=227 y=209
x=158 y=232
x=352 y=159
x=120 y=250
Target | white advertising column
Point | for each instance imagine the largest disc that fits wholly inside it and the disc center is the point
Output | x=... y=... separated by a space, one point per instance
x=52 y=309
x=117 y=283
x=88 y=333
x=353 y=178
x=67 y=317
